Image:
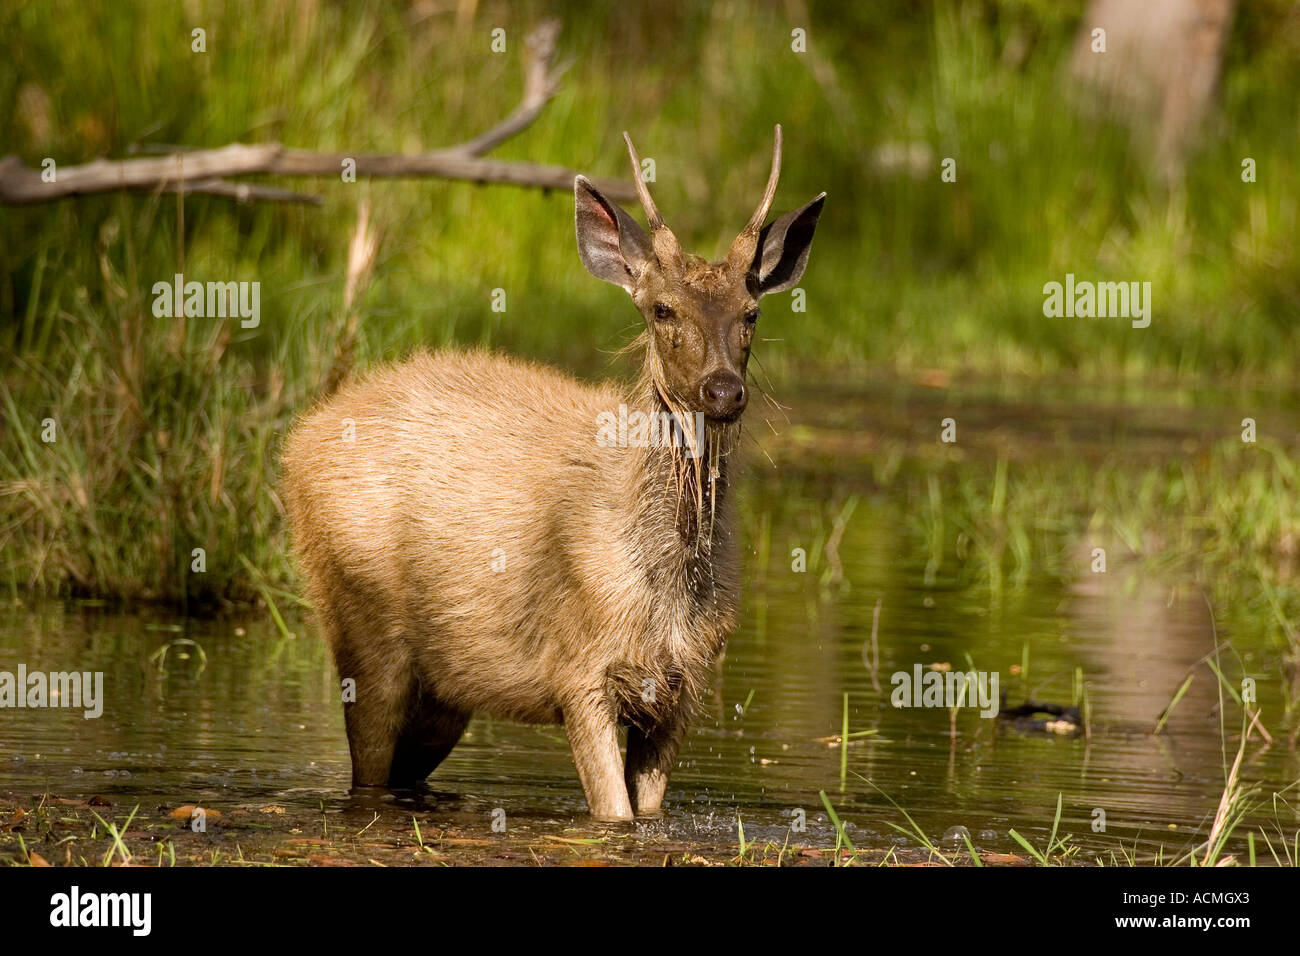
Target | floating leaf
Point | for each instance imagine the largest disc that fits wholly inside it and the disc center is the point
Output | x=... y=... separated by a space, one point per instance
x=189 y=811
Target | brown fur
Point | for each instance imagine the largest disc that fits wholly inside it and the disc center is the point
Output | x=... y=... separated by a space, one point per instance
x=456 y=455
x=620 y=576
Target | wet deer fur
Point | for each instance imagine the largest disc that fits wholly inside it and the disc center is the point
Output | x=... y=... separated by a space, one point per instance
x=470 y=545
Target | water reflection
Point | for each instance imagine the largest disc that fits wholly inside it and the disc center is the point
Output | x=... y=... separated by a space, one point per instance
x=257 y=720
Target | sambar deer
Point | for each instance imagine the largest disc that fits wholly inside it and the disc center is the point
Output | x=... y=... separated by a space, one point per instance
x=470 y=545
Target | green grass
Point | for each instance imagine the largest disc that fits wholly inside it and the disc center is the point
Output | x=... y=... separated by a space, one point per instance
x=168 y=431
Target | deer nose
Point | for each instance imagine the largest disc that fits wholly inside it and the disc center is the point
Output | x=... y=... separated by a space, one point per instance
x=723 y=395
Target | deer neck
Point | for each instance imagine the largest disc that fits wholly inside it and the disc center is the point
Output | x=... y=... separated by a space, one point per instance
x=681 y=479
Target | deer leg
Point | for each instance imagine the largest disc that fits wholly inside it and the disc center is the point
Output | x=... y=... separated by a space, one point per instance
x=430 y=734
x=651 y=756
x=593 y=736
x=377 y=717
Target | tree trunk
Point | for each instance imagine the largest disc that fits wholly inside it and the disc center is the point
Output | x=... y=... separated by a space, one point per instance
x=1159 y=69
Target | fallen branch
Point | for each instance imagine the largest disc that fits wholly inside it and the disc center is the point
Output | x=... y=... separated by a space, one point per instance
x=207 y=170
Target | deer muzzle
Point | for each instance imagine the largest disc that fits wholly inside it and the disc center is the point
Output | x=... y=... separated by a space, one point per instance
x=723 y=396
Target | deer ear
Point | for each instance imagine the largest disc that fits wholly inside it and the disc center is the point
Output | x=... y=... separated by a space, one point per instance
x=783 y=248
x=611 y=244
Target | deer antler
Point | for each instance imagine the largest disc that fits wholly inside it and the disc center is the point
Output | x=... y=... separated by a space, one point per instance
x=746 y=244
x=667 y=249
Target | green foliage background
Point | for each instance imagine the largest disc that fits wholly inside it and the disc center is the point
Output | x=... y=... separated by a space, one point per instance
x=170 y=429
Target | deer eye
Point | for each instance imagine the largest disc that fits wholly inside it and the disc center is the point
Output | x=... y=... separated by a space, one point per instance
x=752 y=315
x=664 y=312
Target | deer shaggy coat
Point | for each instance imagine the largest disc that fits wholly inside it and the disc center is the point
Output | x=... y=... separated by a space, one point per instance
x=472 y=543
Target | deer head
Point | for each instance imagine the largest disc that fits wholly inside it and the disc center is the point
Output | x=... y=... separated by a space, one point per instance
x=700 y=316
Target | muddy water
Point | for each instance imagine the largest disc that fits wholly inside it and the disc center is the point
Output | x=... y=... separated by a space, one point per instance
x=246 y=719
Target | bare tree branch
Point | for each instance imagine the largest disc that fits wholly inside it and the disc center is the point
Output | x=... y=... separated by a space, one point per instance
x=206 y=170
x=541 y=82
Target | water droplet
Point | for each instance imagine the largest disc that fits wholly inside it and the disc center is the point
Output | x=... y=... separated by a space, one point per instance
x=956 y=835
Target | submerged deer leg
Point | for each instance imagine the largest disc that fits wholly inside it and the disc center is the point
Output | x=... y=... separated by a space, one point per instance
x=651 y=756
x=593 y=736
x=376 y=718
x=376 y=674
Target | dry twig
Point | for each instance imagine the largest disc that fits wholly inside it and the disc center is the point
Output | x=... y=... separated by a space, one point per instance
x=207 y=170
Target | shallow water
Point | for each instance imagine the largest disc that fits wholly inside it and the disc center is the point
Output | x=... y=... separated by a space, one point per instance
x=254 y=720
